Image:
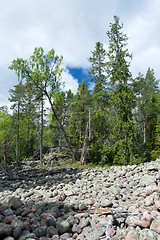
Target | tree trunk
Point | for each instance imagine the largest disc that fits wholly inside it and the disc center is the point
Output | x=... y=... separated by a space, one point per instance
x=144 y=131
x=4 y=153
x=60 y=138
x=17 y=149
x=89 y=124
x=41 y=135
x=84 y=149
x=62 y=128
x=28 y=140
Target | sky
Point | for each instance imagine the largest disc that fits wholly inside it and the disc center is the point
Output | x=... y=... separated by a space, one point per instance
x=72 y=28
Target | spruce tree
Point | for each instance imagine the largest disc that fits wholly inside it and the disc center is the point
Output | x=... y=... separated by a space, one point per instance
x=122 y=135
x=79 y=115
x=100 y=96
x=98 y=72
x=146 y=89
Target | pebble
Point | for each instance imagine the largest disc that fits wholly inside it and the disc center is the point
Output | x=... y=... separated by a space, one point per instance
x=76 y=204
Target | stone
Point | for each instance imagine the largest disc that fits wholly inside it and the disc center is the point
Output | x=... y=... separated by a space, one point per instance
x=148 y=234
x=82 y=206
x=8 y=212
x=28 y=194
x=155 y=225
x=132 y=220
x=111 y=232
x=62 y=226
x=133 y=234
x=56 y=237
x=17 y=232
x=106 y=203
x=15 y=203
x=76 y=229
x=145 y=221
x=9 y=219
x=9 y=238
x=40 y=231
x=51 y=231
x=5 y=230
x=65 y=236
x=79 y=214
x=147 y=179
x=84 y=222
x=51 y=221
x=17 y=223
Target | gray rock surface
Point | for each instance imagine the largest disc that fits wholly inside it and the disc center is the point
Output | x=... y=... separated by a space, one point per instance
x=78 y=203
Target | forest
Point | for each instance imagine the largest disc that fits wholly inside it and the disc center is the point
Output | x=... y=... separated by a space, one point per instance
x=115 y=123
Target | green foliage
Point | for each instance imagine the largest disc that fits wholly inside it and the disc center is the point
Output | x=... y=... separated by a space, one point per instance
x=5 y=134
x=79 y=115
x=146 y=112
x=122 y=133
x=122 y=112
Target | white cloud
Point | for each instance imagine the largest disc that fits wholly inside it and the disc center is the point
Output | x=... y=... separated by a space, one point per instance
x=144 y=37
x=70 y=82
x=72 y=28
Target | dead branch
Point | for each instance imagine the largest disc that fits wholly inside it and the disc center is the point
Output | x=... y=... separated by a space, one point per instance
x=5 y=172
x=113 y=220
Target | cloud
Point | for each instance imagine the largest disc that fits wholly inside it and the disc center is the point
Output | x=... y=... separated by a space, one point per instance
x=144 y=38
x=72 y=28
x=70 y=82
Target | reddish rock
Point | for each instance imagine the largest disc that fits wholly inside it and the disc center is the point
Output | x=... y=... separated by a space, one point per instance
x=132 y=235
x=155 y=226
x=133 y=198
x=47 y=215
x=65 y=236
x=82 y=206
x=76 y=229
x=34 y=208
x=25 y=212
x=19 y=211
x=111 y=232
x=5 y=230
x=75 y=235
x=84 y=191
x=3 y=208
x=157 y=204
x=90 y=201
x=9 y=219
x=142 y=209
x=27 y=225
x=145 y=221
x=148 y=191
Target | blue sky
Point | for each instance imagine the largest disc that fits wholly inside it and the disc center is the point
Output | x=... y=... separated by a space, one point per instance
x=72 y=28
x=80 y=74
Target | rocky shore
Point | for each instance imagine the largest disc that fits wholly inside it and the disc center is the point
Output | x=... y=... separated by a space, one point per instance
x=92 y=204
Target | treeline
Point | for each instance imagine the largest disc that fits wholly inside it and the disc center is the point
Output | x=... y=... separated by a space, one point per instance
x=120 y=115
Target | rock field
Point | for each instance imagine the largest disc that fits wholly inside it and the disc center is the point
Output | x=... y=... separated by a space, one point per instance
x=92 y=204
